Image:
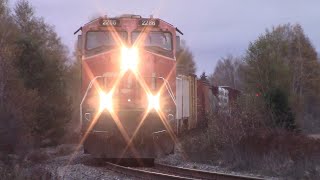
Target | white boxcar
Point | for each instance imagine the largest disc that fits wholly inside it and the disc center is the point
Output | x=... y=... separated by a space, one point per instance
x=182 y=97
x=186 y=99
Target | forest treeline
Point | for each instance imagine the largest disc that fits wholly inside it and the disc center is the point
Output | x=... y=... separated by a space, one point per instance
x=36 y=80
x=267 y=129
x=282 y=70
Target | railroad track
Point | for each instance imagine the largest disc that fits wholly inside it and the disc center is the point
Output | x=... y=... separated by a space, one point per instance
x=161 y=171
x=201 y=174
x=143 y=173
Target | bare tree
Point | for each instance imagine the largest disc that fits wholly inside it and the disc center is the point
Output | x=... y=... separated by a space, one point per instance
x=227 y=73
x=185 y=60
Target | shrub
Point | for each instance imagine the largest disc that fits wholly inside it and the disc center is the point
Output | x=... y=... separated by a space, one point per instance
x=246 y=140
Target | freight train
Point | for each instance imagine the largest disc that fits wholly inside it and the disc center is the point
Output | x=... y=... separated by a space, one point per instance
x=134 y=103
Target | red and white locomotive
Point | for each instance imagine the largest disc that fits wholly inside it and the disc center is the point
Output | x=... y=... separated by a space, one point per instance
x=133 y=102
x=128 y=86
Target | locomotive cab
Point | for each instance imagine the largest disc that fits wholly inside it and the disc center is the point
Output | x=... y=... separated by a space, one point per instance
x=128 y=87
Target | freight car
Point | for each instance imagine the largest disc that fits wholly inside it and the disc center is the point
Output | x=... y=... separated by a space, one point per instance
x=197 y=99
x=133 y=102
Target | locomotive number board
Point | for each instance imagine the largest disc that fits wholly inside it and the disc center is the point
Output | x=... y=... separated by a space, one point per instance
x=109 y=22
x=148 y=22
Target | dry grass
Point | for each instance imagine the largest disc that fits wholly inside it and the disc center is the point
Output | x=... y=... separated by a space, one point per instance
x=275 y=153
x=244 y=142
x=25 y=166
x=37 y=156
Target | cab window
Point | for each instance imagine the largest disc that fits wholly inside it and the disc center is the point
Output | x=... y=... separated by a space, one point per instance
x=107 y=39
x=154 y=40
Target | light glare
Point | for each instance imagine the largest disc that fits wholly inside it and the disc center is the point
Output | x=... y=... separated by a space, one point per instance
x=154 y=102
x=105 y=101
x=129 y=59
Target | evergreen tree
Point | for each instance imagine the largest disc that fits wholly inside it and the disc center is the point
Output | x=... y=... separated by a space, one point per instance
x=41 y=63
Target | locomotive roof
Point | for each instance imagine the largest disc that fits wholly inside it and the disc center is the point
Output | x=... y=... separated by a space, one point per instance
x=132 y=16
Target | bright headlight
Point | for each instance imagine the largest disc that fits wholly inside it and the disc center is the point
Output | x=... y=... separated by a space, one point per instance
x=105 y=101
x=154 y=102
x=129 y=59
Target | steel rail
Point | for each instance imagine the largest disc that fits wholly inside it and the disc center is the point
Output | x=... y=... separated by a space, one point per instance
x=201 y=174
x=143 y=173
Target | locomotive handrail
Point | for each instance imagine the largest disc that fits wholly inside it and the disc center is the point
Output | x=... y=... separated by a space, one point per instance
x=168 y=87
x=85 y=95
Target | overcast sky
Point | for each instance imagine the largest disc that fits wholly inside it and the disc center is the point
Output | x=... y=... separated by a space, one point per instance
x=212 y=28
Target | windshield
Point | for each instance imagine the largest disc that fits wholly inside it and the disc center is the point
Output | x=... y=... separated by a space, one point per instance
x=162 y=40
x=97 y=39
